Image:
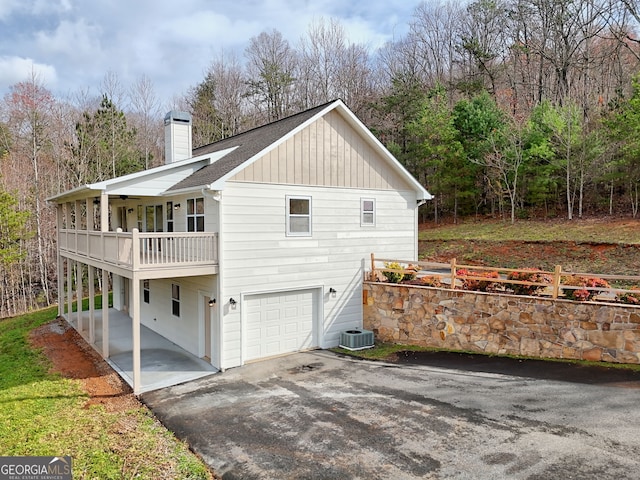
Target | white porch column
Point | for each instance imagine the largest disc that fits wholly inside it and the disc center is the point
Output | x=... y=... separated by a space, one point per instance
x=105 y=314
x=135 y=302
x=78 y=227
x=92 y=305
x=60 y=261
x=79 y=295
x=89 y=214
x=104 y=212
x=118 y=294
x=70 y=267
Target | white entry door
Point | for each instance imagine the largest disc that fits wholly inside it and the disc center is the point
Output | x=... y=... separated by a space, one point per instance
x=280 y=322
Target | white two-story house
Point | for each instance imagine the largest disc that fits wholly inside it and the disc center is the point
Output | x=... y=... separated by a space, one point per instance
x=247 y=248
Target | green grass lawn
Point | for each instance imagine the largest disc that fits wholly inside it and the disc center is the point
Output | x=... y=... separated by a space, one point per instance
x=625 y=231
x=44 y=414
x=596 y=246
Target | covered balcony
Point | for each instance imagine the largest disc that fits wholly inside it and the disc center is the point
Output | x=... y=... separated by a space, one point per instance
x=155 y=254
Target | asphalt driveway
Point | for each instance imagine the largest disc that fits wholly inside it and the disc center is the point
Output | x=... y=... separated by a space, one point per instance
x=316 y=415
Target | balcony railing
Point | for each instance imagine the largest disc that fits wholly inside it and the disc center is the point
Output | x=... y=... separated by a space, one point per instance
x=142 y=250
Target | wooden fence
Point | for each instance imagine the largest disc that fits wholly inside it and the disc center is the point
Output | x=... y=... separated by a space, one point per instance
x=451 y=274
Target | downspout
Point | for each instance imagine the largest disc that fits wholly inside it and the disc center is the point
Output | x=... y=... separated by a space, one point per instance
x=216 y=195
x=416 y=249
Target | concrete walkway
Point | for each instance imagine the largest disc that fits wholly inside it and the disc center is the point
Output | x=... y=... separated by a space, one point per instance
x=163 y=363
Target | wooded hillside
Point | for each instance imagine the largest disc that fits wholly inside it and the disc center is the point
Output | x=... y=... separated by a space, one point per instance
x=514 y=108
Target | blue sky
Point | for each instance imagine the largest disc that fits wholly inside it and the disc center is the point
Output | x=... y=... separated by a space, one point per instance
x=72 y=44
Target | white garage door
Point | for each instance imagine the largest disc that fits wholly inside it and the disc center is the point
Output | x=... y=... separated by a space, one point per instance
x=280 y=322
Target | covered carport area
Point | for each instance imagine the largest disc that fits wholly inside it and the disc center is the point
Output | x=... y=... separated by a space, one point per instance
x=162 y=362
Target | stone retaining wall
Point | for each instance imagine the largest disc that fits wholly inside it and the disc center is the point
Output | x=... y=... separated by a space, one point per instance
x=502 y=324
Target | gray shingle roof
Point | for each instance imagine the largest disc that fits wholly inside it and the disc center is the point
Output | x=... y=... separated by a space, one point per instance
x=248 y=144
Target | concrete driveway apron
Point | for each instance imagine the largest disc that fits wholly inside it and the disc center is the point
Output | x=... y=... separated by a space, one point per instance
x=316 y=415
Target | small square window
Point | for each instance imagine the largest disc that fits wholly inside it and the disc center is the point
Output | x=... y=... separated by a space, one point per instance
x=367 y=212
x=299 y=216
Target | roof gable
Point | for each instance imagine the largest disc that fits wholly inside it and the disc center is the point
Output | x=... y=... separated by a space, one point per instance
x=254 y=144
x=328 y=152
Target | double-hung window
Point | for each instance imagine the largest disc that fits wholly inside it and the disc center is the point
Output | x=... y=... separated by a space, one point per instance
x=298 y=216
x=367 y=212
x=195 y=215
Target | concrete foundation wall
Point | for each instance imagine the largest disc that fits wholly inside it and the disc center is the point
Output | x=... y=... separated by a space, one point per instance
x=502 y=324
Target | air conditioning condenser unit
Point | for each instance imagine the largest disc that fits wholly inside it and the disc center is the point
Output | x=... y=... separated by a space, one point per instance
x=356 y=339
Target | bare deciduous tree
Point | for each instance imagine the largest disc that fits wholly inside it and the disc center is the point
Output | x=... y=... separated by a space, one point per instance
x=271 y=65
x=146 y=113
x=330 y=67
x=29 y=106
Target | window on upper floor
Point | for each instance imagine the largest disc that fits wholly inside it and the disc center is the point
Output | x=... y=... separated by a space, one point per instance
x=298 y=216
x=195 y=215
x=367 y=212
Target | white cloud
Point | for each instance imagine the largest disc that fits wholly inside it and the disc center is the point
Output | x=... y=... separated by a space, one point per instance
x=7 y=7
x=71 y=38
x=45 y=7
x=172 y=42
x=19 y=69
x=33 y=7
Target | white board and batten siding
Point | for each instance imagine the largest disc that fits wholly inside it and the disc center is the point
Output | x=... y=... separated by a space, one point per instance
x=330 y=153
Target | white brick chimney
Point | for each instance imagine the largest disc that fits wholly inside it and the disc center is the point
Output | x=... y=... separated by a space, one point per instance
x=177 y=136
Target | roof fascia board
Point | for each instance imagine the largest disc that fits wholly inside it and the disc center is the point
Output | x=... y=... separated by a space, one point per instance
x=183 y=191
x=82 y=191
x=152 y=171
x=113 y=184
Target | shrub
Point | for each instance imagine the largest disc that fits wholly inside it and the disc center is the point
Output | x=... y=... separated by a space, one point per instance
x=477 y=285
x=410 y=272
x=632 y=298
x=580 y=294
x=404 y=274
x=431 y=281
x=393 y=277
x=530 y=275
x=426 y=281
